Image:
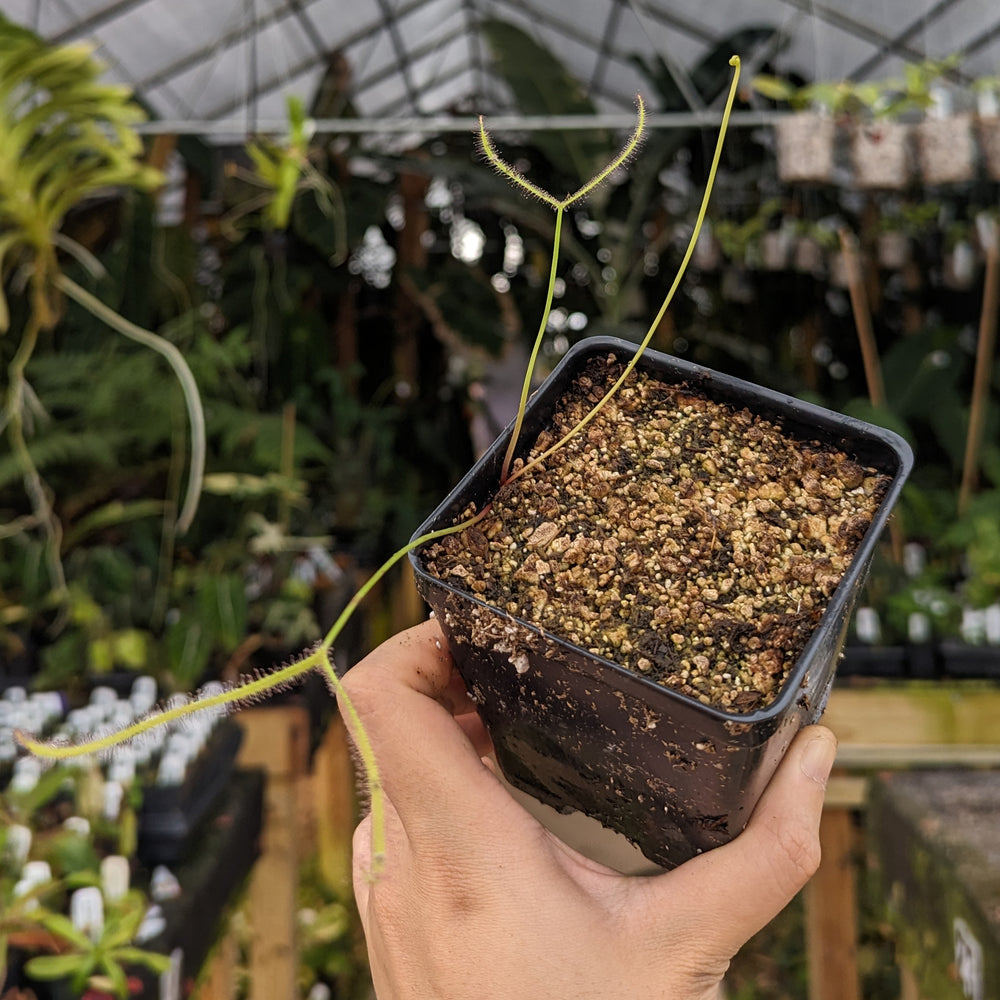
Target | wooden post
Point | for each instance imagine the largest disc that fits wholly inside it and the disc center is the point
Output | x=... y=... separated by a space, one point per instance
x=218 y=981
x=277 y=739
x=336 y=807
x=832 y=913
x=162 y=149
x=908 y=986
x=983 y=374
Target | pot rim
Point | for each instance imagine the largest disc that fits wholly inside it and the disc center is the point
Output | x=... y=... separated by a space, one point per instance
x=724 y=388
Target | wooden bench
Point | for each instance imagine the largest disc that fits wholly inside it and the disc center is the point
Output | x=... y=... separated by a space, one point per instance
x=884 y=728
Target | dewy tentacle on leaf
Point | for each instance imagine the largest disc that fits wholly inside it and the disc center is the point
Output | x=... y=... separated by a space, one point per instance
x=256 y=689
x=516 y=177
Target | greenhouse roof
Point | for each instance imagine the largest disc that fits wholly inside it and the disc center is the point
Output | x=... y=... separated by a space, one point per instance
x=224 y=68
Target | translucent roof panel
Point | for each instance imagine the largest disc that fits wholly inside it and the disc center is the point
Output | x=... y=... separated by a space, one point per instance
x=225 y=67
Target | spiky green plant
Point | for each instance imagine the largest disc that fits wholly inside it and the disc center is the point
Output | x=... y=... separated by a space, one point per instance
x=283 y=169
x=64 y=136
x=252 y=689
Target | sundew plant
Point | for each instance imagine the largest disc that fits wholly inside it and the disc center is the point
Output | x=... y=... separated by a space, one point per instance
x=252 y=689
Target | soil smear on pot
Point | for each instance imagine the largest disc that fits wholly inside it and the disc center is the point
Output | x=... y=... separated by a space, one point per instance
x=690 y=542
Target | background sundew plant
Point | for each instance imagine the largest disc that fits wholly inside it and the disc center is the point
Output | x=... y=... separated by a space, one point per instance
x=255 y=688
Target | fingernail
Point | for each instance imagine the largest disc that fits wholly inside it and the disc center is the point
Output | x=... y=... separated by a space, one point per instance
x=817 y=759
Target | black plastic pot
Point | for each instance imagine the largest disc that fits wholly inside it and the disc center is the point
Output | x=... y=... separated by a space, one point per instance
x=579 y=732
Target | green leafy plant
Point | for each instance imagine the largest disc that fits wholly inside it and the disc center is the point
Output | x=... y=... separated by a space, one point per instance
x=31 y=918
x=833 y=97
x=64 y=136
x=23 y=916
x=252 y=689
x=913 y=91
x=99 y=961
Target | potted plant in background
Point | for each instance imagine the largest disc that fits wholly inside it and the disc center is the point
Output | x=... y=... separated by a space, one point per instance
x=67 y=914
x=881 y=157
x=945 y=139
x=901 y=227
x=987 y=123
x=882 y=132
x=805 y=139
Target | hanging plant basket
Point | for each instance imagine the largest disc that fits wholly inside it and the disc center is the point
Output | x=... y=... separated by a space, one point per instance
x=664 y=721
x=804 y=146
x=946 y=150
x=881 y=156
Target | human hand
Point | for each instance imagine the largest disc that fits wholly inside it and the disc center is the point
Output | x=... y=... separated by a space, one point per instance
x=478 y=901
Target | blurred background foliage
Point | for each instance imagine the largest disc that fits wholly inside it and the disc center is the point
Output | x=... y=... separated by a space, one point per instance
x=353 y=360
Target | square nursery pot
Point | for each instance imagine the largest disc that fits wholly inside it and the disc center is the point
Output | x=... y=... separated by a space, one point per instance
x=804 y=147
x=671 y=771
x=946 y=149
x=881 y=156
x=988 y=129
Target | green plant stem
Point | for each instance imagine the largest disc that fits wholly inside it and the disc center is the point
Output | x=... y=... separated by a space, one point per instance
x=532 y=361
x=376 y=795
x=252 y=689
x=168 y=536
x=189 y=387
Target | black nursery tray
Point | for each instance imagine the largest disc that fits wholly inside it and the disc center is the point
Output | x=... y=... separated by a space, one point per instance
x=172 y=814
x=578 y=731
x=223 y=853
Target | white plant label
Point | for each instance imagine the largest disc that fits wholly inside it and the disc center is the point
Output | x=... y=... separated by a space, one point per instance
x=968 y=960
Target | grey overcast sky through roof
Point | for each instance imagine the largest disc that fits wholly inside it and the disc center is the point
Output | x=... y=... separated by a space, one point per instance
x=225 y=67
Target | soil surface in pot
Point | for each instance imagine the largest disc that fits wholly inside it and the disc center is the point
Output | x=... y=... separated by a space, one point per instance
x=692 y=543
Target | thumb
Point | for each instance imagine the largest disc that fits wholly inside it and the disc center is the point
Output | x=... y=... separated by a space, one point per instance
x=752 y=878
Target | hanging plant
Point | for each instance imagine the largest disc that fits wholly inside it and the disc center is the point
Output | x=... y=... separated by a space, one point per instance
x=881 y=137
x=64 y=136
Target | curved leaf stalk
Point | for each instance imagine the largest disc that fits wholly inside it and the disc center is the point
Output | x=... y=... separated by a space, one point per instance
x=175 y=359
x=253 y=688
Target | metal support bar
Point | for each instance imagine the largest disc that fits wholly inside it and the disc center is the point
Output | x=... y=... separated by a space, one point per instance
x=235 y=130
